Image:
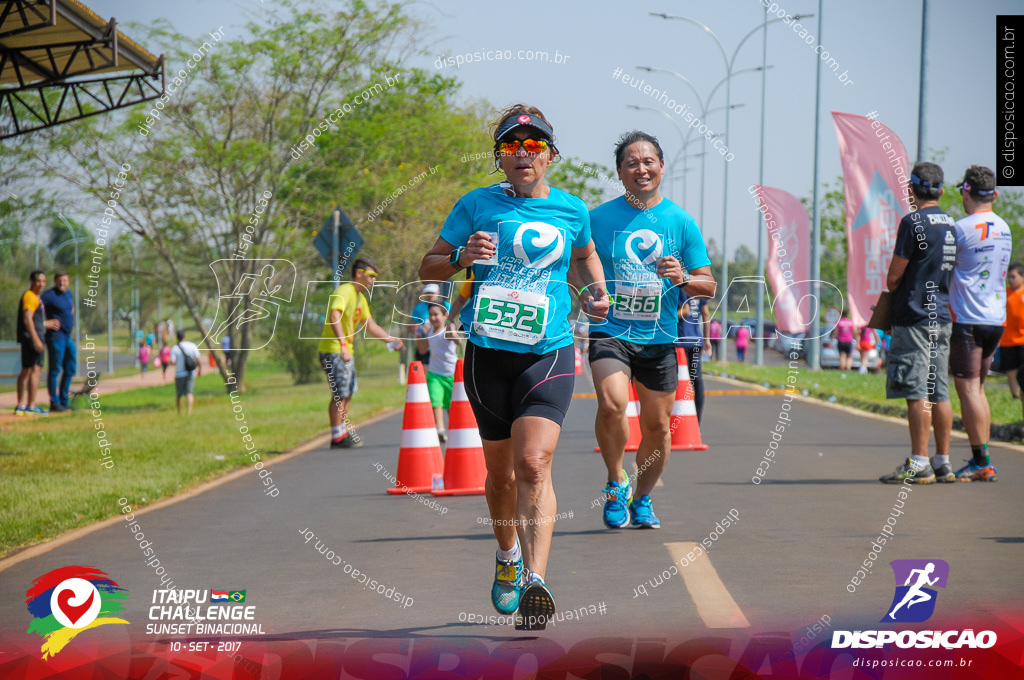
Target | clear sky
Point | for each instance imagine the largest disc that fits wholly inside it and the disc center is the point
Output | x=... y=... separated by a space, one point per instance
x=876 y=42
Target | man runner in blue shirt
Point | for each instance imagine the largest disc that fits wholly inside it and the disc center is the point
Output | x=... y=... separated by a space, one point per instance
x=650 y=249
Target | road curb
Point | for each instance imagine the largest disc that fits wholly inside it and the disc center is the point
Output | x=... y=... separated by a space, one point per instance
x=862 y=413
x=75 y=534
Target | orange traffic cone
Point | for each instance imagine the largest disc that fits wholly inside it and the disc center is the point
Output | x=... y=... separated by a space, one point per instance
x=419 y=458
x=683 y=422
x=633 y=418
x=464 y=469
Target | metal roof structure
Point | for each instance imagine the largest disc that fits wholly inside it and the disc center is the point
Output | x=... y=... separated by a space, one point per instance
x=60 y=62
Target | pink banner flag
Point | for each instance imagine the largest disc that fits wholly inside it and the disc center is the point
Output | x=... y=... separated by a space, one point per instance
x=875 y=179
x=789 y=253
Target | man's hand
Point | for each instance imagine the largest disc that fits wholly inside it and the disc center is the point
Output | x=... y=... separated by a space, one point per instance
x=52 y=324
x=596 y=308
x=38 y=344
x=346 y=356
x=669 y=268
x=451 y=332
x=399 y=345
x=479 y=247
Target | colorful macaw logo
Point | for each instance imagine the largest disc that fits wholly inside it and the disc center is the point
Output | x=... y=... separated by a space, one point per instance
x=69 y=601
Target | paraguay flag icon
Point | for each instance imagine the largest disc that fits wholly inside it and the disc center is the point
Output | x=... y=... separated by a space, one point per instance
x=71 y=600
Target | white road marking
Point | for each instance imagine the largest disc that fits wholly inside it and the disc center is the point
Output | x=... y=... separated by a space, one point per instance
x=714 y=603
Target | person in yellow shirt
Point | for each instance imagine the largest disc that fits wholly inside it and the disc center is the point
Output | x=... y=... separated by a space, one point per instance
x=1011 y=345
x=348 y=313
x=32 y=327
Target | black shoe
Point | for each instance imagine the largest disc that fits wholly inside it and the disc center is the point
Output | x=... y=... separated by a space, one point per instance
x=346 y=443
x=536 y=606
x=58 y=408
x=442 y=437
x=353 y=438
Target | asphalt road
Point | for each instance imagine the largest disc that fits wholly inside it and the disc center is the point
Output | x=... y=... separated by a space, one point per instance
x=800 y=537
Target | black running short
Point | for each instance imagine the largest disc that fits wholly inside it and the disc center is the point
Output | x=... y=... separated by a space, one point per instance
x=971 y=348
x=654 y=366
x=30 y=358
x=1011 y=357
x=844 y=347
x=503 y=386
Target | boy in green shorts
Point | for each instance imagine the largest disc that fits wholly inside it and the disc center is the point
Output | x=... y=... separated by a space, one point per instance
x=444 y=353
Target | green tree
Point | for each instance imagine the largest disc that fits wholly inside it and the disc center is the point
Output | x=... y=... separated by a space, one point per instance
x=222 y=147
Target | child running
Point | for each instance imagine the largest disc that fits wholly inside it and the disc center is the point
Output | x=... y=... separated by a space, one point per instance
x=444 y=353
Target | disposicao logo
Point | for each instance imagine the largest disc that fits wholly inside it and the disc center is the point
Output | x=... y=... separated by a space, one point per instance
x=70 y=600
x=914 y=602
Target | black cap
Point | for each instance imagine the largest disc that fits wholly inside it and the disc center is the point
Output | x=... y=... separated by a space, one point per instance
x=520 y=119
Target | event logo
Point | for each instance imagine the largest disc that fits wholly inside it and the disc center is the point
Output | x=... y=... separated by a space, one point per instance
x=649 y=249
x=70 y=600
x=880 y=202
x=538 y=244
x=255 y=299
x=913 y=601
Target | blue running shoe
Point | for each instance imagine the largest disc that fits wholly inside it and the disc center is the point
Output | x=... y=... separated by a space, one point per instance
x=36 y=411
x=508 y=585
x=972 y=472
x=642 y=514
x=615 y=513
x=536 y=606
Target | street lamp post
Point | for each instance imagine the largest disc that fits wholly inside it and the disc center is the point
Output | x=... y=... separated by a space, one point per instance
x=759 y=338
x=814 y=347
x=78 y=321
x=704 y=113
x=729 y=73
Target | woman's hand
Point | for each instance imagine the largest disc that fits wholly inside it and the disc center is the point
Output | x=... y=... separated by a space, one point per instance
x=479 y=247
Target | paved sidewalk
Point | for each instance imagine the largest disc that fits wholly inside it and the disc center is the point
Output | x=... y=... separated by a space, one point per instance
x=9 y=400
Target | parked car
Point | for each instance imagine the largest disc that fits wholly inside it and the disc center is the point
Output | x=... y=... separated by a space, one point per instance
x=830 y=356
x=787 y=344
x=751 y=324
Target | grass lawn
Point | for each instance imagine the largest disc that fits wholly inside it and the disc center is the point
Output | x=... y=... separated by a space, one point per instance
x=867 y=392
x=44 y=396
x=51 y=479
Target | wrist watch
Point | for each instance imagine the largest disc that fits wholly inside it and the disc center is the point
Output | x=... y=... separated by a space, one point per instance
x=686 y=278
x=453 y=257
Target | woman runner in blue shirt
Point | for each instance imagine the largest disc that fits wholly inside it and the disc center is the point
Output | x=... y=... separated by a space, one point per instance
x=521 y=237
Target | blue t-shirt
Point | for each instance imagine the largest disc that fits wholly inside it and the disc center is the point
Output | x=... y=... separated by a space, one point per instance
x=690 y=330
x=630 y=242
x=522 y=302
x=61 y=307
